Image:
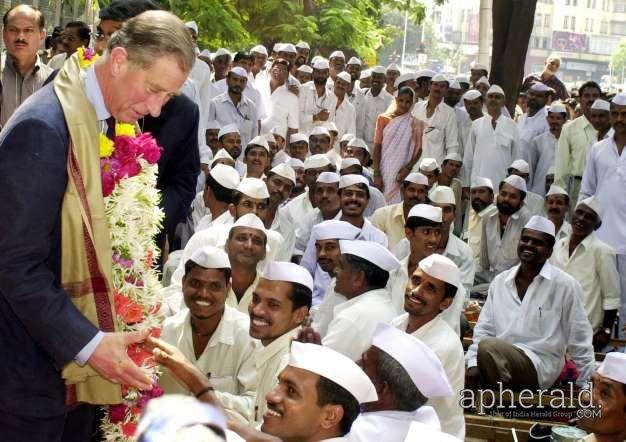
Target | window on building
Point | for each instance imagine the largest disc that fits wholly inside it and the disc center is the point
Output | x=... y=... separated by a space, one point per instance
x=546 y=20
x=565 y=22
x=604 y=27
x=589 y=25
x=538 y=20
x=572 y=24
x=619 y=5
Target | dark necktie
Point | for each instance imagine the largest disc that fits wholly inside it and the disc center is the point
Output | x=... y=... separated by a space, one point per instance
x=111 y=128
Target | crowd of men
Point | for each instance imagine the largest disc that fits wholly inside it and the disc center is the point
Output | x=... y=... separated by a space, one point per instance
x=306 y=303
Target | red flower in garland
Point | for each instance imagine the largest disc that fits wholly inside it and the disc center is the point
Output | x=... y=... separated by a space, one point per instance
x=117 y=413
x=148 y=148
x=130 y=312
x=138 y=355
x=129 y=429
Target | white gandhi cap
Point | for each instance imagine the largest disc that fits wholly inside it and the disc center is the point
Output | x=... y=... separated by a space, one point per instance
x=495 y=89
x=321 y=64
x=319 y=130
x=346 y=137
x=517 y=182
x=358 y=142
x=228 y=129
x=211 y=257
x=280 y=157
x=426 y=211
x=370 y=251
x=306 y=68
x=365 y=73
x=349 y=162
x=206 y=155
x=557 y=108
x=225 y=176
x=520 y=165
x=260 y=140
x=419 y=361
x=295 y=163
x=303 y=45
x=541 y=224
x=593 y=203
x=417 y=178
x=222 y=154
x=335 y=367
x=334 y=229
x=338 y=54
x=328 y=178
x=344 y=76
x=379 y=70
x=254 y=188
x=351 y=180
x=482 y=182
x=239 y=71
x=428 y=164
x=402 y=78
x=286 y=171
x=556 y=190
x=316 y=161
x=538 y=86
x=454 y=84
x=442 y=268
x=259 y=49
x=354 y=60
x=483 y=80
x=442 y=195
x=601 y=105
x=289 y=272
x=472 y=94
x=299 y=137
x=614 y=367
x=619 y=99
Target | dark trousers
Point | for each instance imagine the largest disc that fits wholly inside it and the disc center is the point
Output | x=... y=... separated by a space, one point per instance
x=16 y=428
x=82 y=424
x=501 y=361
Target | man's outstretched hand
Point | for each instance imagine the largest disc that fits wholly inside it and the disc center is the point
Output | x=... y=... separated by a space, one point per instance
x=111 y=360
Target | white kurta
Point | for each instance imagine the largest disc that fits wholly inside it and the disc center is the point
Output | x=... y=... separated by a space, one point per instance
x=354 y=321
x=529 y=128
x=323 y=314
x=489 y=152
x=245 y=115
x=464 y=124
x=367 y=112
x=311 y=104
x=441 y=134
x=345 y=119
x=389 y=425
x=541 y=152
x=244 y=302
x=534 y=203
x=441 y=339
x=549 y=321
x=284 y=225
x=299 y=207
x=282 y=108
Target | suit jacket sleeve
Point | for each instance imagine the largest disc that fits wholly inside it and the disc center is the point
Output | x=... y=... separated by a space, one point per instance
x=32 y=184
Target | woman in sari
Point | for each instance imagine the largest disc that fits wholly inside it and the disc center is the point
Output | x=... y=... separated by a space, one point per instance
x=397 y=145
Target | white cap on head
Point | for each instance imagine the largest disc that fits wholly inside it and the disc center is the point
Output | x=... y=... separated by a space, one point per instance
x=351 y=180
x=251 y=221
x=428 y=164
x=206 y=155
x=239 y=71
x=346 y=137
x=484 y=80
x=541 y=224
x=192 y=25
x=370 y=251
x=417 y=178
x=495 y=89
x=481 y=182
x=379 y=70
x=538 y=86
x=288 y=47
x=402 y=78
x=205 y=53
x=420 y=362
x=260 y=140
x=254 y=188
x=213 y=124
x=462 y=79
x=335 y=367
x=345 y=76
x=442 y=268
x=269 y=137
x=614 y=367
x=281 y=157
x=338 y=54
x=520 y=165
x=619 y=99
x=359 y=143
x=328 y=178
x=321 y=63
x=478 y=66
x=454 y=84
x=211 y=257
x=279 y=130
x=593 y=203
x=437 y=77
x=306 y=68
x=222 y=154
x=425 y=73
x=316 y=161
x=556 y=190
x=259 y=49
x=426 y=211
x=472 y=94
x=303 y=45
x=354 y=60
x=319 y=130
x=454 y=156
x=228 y=129
x=288 y=272
x=334 y=229
x=365 y=73
x=393 y=67
x=299 y=137
x=295 y=163
x=556 y=107
x=442 y=195
x=349 y=162
x=516 y=181
x=277 y=47
x=225 y=176
x=286 y=171
x=220 y=52
x=602 y=105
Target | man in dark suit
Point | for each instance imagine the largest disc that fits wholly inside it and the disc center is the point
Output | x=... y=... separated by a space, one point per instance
x=41 y=330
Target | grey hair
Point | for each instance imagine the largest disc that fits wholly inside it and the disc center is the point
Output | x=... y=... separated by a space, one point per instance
x=154 y=34
x=406 y=394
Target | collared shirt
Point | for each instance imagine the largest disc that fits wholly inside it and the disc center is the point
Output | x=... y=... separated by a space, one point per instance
x=242 y=304
x=529 y=128
x=222 y=359
x=251 y=91
x=310 y=104
x=369 y=108
x=198 y=210
x=390 y=425
x=534 y=203
x=489 y=152
x=441 y=134
x=547 y=322
x=323 y=313
x=571 y=151
x=474 y=232
x=354 y=321
x=16 y=88
x=565 y=230
x=283 y=224
x=244 y=115
x=605 y=177
x=345 y=119
x=499 y=251
x=208 y=221
x=541 y=152
x=299 y=207
x=594 y=266
x=390 y=220
x=282 y=110
x=441 y=339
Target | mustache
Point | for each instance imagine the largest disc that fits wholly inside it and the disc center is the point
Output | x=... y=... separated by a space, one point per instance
x=20 y=41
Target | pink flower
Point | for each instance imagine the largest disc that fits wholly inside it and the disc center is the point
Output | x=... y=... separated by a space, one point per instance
x=129 y=169
x=148 y=148
x=126 y=149
x=108 y=174
x=117 y=413
x=88 y=53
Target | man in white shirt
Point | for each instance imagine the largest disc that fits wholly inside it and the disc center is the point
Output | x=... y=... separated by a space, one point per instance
x=593 y=264
x=229 y=139
x=298 y=146
x=441 y=134
x=533 y=315
x=492 y=144
x=542 y=148
x=257 y=157
x=376 y=101
x=481 y=201
x=430 y=291
x=533 y=202
x=604 y=177
x=345 y=113
x=280 y=180
x=534 y=122
x=316 y=103
x=393 y=72
x=502 y=227
x=320 y=142
x=472 y=105
x=282 y=105
x=407 y=374
x=354 y=195
x=556 y=208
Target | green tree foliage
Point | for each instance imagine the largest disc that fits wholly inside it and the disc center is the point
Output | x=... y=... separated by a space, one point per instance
x=618 y=58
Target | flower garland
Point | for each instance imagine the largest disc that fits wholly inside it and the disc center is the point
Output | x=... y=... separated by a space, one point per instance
x=129 y=172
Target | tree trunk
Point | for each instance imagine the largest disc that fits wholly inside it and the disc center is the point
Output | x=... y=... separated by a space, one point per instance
x=512 y=25
x=309 y=7
x=483 y=28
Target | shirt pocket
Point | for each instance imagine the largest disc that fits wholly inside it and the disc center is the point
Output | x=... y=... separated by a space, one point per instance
x=225 y=384
x=540 y=321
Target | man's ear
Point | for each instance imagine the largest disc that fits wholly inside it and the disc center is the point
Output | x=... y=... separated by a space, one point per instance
x=300 y=314
x=446 y=302
x=232 y=209
x=331 y=416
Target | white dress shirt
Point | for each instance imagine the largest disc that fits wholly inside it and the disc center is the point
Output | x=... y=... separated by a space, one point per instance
x=534 y=203
x=299 y=207
x=541 y=152
x=441 y=339
x=529 y=128
x=323 y=313
x=345 y=119
x=464 y=124
x=283 y=224
x=594 y=266
x=282 y=110
x=549 y=321
x=251 y=92
x=489 y=152
x=244 y=115
x=311 y=104
x=368 y=109
x=244 y=302
x=389 y=425
x=441 y=134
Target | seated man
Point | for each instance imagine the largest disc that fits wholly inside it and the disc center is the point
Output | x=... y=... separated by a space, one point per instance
x=354 y=196
x=280 y=181
x=352 y=166
x=481 y=201
x=533 y=315
x=533 y=201
x=257 y=157
x=406 y=374
x=593 y=264
x=298 y=146
x=430 y=292
x=556 y=207
x=229 y=139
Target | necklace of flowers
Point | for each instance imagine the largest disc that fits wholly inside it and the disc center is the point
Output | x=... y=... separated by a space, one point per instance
x=128 y=166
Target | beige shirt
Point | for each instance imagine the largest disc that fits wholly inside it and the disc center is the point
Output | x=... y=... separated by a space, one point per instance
x=390 y=220
x=15 y=88
x=441 y=339
x=474 y=231
x=571 y=150
x=242 y=305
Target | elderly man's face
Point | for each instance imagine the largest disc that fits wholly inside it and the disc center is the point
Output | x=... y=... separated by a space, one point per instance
x=22 y=36
x=609 y=397
x=553 y=65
